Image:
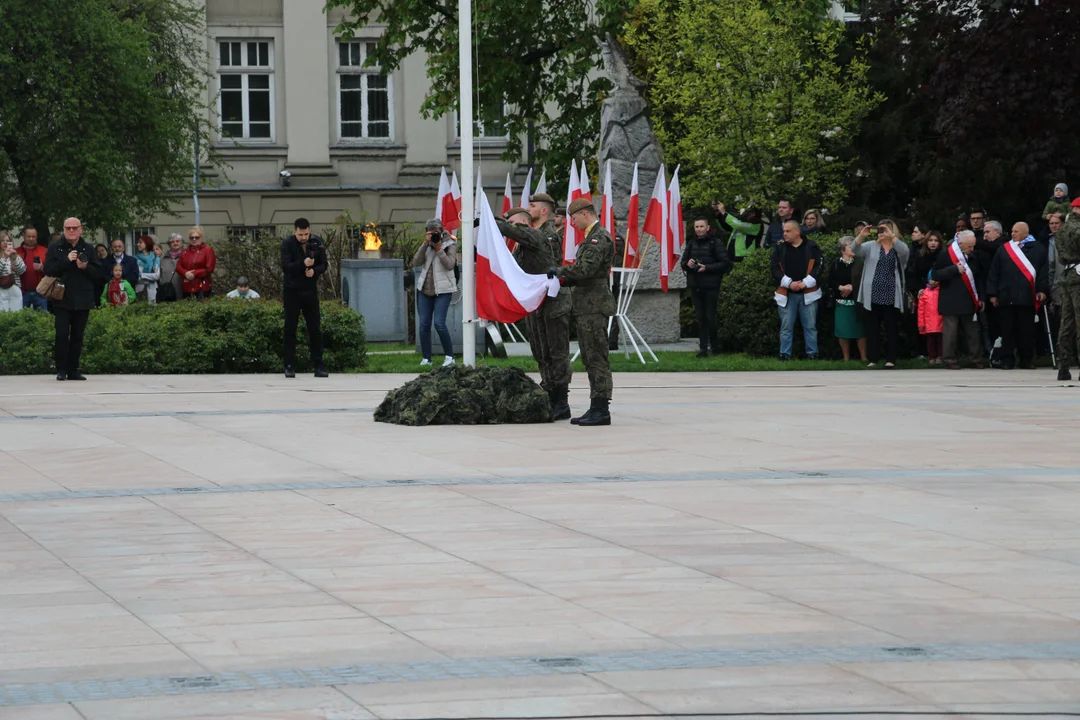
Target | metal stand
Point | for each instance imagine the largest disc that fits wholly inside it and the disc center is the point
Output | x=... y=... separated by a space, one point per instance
x=627 y=286
x=514 y=332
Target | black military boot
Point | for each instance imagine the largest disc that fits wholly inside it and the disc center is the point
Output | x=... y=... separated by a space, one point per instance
x=1064 y=374
x=560 y=403
x=598 y=414
x=587 y=413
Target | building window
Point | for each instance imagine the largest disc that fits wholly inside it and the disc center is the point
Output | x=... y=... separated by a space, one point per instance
x=237 y=233
x=488 y=125
x=365 y=96
x=130 y=237
x=246 y=84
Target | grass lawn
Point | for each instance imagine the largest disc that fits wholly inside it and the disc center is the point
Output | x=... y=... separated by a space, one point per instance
x=669 y=362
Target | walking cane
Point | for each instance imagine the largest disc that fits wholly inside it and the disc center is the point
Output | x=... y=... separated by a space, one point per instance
x=1049 y=336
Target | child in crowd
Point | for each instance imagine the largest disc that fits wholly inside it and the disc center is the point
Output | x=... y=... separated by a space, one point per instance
x=930 y=322
x=243 y=291
x=149 y=268
x=118 y=291
x=1059 y=203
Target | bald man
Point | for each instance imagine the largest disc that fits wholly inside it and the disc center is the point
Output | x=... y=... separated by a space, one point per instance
x=75 y=262
x=1017 y=287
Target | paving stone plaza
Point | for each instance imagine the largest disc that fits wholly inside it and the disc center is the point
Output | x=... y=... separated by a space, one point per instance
x=254 y=547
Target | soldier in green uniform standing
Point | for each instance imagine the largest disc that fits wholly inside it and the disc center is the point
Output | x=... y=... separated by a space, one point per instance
x=593 y=304
x=1068 y=251
x=539 y=247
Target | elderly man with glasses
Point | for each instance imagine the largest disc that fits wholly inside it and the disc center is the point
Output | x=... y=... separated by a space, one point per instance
x=75 y=263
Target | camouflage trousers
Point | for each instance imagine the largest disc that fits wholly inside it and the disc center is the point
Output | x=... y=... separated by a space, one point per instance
x=592 y=330
x=549 y=340
x=1067 y=350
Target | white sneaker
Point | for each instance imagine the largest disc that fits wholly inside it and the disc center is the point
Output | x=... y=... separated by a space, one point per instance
x=448 y=361
x=424 y=362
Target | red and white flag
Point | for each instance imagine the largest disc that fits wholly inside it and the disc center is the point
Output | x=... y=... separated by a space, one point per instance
x=504 y=292
x=508 y=197
x=607 y=212
x=633 y=227
x=447 y=208
x=656 y=224
x=455 y=192
x=572 y=237
x=675 y=218
x=541 y=187
x=525 y=192
x=956 y=254
x=583 y=183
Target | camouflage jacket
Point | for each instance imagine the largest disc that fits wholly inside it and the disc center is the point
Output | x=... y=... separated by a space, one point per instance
x=589 y=275
x=539 y=250
x=1067 y=246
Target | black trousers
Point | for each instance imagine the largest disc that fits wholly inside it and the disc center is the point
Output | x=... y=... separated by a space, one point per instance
x=70 y=327
x=1017 y=324
x=888 y=316
x=308 y=304
x=705 y=299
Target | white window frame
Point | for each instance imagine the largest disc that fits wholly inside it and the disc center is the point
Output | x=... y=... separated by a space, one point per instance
x=364 y=73
x=245 y=71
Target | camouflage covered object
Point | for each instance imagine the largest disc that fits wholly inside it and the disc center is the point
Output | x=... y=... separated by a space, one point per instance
x=459 y=395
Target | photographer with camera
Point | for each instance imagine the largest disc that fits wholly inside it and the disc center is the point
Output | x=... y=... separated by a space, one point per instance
x=75 y=264
x=435 y=288
x=303 y=260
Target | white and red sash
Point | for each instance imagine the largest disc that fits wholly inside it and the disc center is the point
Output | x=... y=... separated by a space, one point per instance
x=1026 y=269
x=957 y=256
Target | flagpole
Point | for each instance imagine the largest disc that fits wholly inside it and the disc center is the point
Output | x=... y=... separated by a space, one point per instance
x=465 y=119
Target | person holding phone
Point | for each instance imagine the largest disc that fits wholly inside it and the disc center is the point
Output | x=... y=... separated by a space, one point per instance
x=33 y=256
x=75 y=263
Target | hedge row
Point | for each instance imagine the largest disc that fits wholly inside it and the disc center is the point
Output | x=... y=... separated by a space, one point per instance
x=214 y=336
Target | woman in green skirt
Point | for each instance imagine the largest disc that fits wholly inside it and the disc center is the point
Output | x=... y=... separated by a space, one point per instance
x=847 y=325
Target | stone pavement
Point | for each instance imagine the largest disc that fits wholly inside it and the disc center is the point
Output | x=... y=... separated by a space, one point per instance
x=252 y=547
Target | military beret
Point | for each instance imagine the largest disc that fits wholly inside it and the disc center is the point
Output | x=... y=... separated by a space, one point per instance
x=516 y=211
x=542 y=197
x=579 y=205
x=1075 y=203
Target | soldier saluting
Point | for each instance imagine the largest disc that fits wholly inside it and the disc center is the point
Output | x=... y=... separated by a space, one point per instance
x=539 y=247
x=593 y=304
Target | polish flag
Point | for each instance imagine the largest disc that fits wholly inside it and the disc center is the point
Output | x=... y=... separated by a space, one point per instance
x=478 y=195
x=507 y=203
x=656 y=224
x=446 y=209
x=504 y=292
x=607 y=213
x=541 y=187
x=583 y=183
x=525 y=190
x=455 y=193
x=633 y=227
x=675 y=218
x=571 y=236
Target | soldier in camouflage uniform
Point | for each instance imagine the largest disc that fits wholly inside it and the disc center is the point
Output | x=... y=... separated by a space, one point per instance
x=1068 y=252
x=593 y=305
x=539 y=247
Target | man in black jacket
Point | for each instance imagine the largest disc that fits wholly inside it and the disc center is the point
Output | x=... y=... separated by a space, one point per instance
x=1017 y=287
x=75 y=262
x=303 y=260
x=960 y=298
x=705 y=260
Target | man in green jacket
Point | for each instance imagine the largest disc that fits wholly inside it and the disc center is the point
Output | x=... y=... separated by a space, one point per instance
x=593 y=305
x=539 y=247
x=1067 y=244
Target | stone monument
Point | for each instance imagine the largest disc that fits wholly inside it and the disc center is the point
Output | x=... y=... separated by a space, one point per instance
x=626 y=137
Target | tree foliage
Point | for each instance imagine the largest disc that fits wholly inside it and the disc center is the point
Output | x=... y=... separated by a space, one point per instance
x=99 y=105
x=751 y=98
x=981 y=111
x=540 y=57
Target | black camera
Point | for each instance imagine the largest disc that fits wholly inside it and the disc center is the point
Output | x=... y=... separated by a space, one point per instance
x=83 y=257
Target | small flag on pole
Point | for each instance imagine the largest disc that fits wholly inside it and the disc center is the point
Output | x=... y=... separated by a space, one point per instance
x=525 y=193
x=675 y=217
x=633 y=227
x=656 y=224
x=541 y=187
x=571 y=237
x=607 y=212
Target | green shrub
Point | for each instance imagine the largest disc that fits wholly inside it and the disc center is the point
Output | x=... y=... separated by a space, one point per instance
x=215 y=336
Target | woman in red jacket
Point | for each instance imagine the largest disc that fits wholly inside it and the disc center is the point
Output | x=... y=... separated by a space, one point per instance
x=196 y=266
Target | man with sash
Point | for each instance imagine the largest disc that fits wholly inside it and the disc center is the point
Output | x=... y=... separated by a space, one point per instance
x=539 y=247
x=1017 y=287
x=1067 y=245
x=960 y=299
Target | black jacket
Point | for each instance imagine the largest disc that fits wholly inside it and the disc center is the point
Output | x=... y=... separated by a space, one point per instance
x=710 y=253
x=794 y=262
x=987 y=250
x=1009 y=285
x=953 y=295
x=842 y=273
x=128 y=263
x=293 y=254
x=919 y=267
x=79 y=285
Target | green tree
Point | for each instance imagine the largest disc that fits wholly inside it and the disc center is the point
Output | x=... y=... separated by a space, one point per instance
x=752 y=99
x=540 y=58
x=100 y=101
